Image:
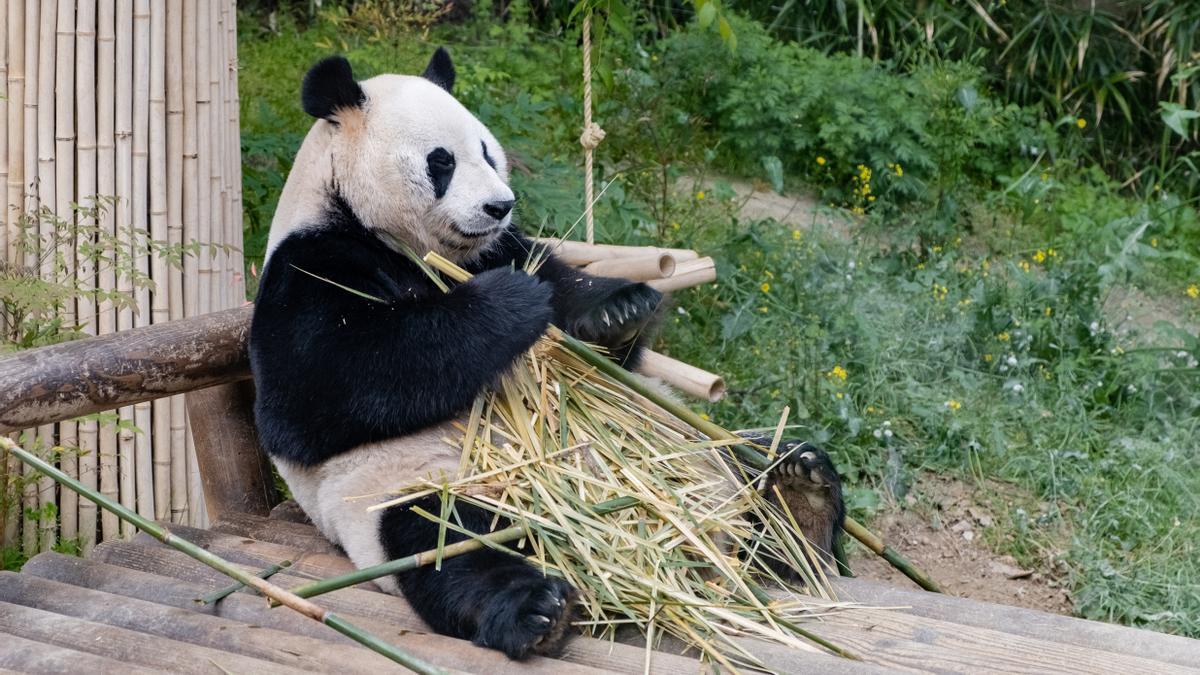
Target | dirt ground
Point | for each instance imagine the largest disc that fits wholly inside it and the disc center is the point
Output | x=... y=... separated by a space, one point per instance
x=943 y=534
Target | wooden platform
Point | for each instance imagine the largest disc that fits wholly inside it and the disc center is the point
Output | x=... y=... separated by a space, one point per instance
x=131 y=608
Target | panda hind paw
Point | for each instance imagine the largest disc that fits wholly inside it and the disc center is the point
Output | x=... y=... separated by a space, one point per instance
x=529 y=616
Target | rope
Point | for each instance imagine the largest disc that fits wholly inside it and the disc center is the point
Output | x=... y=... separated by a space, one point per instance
x=592 y=133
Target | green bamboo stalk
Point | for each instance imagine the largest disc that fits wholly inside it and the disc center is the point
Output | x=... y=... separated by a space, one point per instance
x=219 y=595
x=423 y=558
x=225 y=567
x=752 y=457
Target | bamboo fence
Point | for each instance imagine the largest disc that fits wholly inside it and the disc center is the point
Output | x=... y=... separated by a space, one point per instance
x=133 y=101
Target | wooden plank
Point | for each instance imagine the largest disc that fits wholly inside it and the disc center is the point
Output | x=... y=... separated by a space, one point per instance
x=259 y=554
x=30 y=656
x=298 y=535
x=235 y=473
x=59 y=382
x=125 y=645
x=248 y=609
x=1025 y=622
x=278 y=646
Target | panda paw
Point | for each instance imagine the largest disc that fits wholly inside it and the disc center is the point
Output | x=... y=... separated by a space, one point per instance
x=529 y=616
x=617 y=318
x=521 y=298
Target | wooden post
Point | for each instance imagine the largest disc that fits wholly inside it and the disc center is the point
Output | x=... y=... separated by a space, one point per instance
x=235 y=472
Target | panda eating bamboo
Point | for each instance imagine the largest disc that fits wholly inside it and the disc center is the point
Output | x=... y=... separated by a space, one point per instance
x=362 y=364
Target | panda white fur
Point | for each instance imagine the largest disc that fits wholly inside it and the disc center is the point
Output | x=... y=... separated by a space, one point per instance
x=355 y=395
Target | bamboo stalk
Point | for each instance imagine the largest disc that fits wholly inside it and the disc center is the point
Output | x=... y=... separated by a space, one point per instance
x=191 y=225
x=15 y=33
x=221 y=271
x=64 y=180
x=745 y=453
x=159 y=269
x=4 y=169
x=219 y=595
x=144 y=439
x=225 y=567
x=29 y=204
x=686 y=378
x=204 y=132
x=85 y=98
x=175 y=96
x=127 y=463
x=106 y=278
x=634 y=268
x=583 y=253
x=687 y=274
x=234 y=138
x=47 y=252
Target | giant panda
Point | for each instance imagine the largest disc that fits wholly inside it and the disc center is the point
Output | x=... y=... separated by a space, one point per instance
x=361 y=363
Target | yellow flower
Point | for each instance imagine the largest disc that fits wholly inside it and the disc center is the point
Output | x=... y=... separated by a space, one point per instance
x=1045 y=176
x=1003 y=337
x=1048 y=311
x=766 y=287
x=838 y=372
x=820 y=161
x=1193 y=291
x=920 y=266
x=899 y=171
x=1052 y=253
x=1040 y=256
x=1024 y=265
x=700 y=194
x=796 y=235
x=1081 y=123
x=1154 y=242
x=952 y=405
x=840 y=395
x=870 y=409
x=987 y=357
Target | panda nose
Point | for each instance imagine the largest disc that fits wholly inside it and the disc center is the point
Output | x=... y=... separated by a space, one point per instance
x=498 y=210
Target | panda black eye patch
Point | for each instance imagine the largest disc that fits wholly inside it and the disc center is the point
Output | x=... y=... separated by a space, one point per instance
x=486 y=157
x=440 y=167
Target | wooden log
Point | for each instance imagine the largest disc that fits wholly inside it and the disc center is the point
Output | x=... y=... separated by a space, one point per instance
x=65 y=197
x=235 y=472
x=87 y=376
x=582 y=253
x=85 y=96
x=687 y=274
x=686 y=378
x=245 y=608
x=31 y=656
x=106 y=43
x=124 y=645
x=163 y=621
x=634 y=267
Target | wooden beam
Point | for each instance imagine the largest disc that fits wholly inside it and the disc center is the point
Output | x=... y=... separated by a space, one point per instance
x=60 y=382
x=233 y=469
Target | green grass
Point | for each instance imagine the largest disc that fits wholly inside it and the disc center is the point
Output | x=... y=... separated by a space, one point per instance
x=977 y=347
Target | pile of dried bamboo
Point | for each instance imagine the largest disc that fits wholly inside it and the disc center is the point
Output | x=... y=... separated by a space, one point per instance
x=137 y=100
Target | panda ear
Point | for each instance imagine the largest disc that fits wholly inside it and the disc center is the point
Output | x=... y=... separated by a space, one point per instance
x=330 y=86
x=440 y=70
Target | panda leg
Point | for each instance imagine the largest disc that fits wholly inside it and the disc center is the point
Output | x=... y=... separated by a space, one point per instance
x=806 y=484
x=492 y=598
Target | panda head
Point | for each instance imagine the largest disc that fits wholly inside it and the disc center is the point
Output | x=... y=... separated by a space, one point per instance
x=415 y=166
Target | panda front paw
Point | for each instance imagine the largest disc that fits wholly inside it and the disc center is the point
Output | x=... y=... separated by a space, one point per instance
x=528 y=616
x=521 y=299
x=616 y=318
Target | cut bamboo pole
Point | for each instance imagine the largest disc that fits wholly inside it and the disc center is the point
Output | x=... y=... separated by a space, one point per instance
x=227 y=568
x=29 y=204
x=238 y=274
x=144 y=438
x=47 y=197
x=160 y=303
x=191 y=226
x=204 y=133
x=126 y=442
x=4 y=169
x=583 y=253
x=106 y=278
x=220 y=188
x=15 y=205
x=174 y=64
x=85 y=98
x=64 y=191
x=687 y=274
x=686 y=378
x=634 y=267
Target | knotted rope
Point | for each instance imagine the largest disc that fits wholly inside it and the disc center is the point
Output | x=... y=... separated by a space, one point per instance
x=592 y=133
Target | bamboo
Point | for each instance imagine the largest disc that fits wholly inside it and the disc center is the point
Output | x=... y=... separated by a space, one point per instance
x=749 y=455
x=14 y=161
x=4 y=169
x=127 y=462
x=219 y=595
x=220 y=187
x=64 y=180
x=225 y=567
x=47 y=252
x=634 y=268
x=688 y=274
x=29 y=254
x=238 y=272
x=191 y=201
x=686 y=378
x=85 y=96
x=178 y=429
x=159 y=307
x=583 y=253
x=144 y=438
x=204 y=133
x=106 y=278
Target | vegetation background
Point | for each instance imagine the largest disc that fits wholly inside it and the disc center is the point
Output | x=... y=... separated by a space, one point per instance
x=996 y=274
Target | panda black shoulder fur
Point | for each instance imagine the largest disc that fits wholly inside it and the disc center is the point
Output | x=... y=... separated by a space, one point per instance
x=361 y=363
